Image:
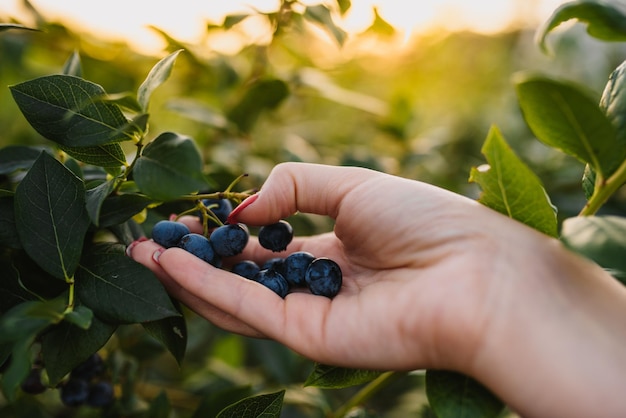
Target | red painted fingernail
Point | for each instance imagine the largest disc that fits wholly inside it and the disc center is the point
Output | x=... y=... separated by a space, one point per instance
x=129 y=248
x=173 y=217
x=232 y=218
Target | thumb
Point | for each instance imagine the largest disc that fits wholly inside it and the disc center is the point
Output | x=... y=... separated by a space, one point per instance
x=303 y=187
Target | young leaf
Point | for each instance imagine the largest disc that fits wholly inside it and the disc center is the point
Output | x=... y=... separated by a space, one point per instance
x=511 y=188
x=157 y=76
x=266 y=406
x=564 y=117
x=321 y=15
x=604 y=21
x=50 y=216
x=94 y=198
x=73 y=66
x=613 y=103
x=65 y=346
x=68 y=110
x=172 y=333
x=331 y=377
x=17 y=157
x=599 y=238
x=169 y=167
x=453 y=395
x=120 y=290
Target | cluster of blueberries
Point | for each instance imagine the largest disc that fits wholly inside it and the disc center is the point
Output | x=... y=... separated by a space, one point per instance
x=86 y=384
x=321 y=275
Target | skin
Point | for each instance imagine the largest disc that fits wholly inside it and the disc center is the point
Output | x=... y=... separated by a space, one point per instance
x=432 y=279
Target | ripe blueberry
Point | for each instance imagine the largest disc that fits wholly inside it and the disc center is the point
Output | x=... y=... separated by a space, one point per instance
x=100 y=394
x=295 y=266
x=228 y=240
x=33 y=384
x=221 y=208
x=74 y=392
x=168 y=233
x=93 y=366
x=276 y=263
x=246 y=268
x=273 y=280
x=201 y=247
x=276 y=236
x=323 y=277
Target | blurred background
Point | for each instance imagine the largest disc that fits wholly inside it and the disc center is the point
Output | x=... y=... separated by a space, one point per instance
x=406 y=88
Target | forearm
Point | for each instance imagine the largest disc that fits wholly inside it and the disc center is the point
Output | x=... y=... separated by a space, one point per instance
x=560 y=347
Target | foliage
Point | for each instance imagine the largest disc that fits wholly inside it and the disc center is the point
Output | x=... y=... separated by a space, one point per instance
x=83 y=174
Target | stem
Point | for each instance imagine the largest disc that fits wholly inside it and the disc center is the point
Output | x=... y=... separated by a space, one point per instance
x=603 y=191
x=367 y=392
x=70 y=295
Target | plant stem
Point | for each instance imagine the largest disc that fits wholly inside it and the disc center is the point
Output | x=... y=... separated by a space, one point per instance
x=367 y=392
x=604 y=190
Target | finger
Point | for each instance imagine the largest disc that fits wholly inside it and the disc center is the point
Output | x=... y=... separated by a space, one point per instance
x=144 y=253
x=309 y=188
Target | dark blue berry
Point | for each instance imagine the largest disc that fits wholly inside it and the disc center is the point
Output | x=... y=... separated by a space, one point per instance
x=276 y=237
x=246 y=268
x=229 y=240
x=74 y=392
x=92 y=367
x=33 y=384
x=323 y=277
x=100 y=394
x=273 y=280
x=168 y=233
x=276 y=263
x=295 y=266
x=201 y=247
x=221 y=208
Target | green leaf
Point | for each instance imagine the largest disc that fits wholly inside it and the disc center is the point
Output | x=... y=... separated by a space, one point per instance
x=15 y=26
x=18 y=369
x=380 y=26
x=199 y=112
x=263 y=95
x=588 y=182
x=73 y=65
x=344 y=6
x=50 y=216
x=321 y=15
x=265 y=406
x=234 y=19
x=8 y=230
x=172 y=333
x=564 y=117
x=604 y=21
x=65 y=346
x=159 y=407
x=599 y=238
x=453 y=395
x=117 y=209
x=214 y=402
x=613 y=103
x=511 y=188
x=331 y=377
x=157 y=76
x=69 y=111
x=169 y=167
x=120 y=290
x=94 y=198
x=106 y=156
x=17 y=157
x=81 y=316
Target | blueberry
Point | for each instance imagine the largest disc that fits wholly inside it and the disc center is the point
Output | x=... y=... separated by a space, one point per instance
x=33 y=384
x=100 y=394
x=168 y=233
x=92 y=367
x=221 y=208
x=295 y=266
x=229 y=240
x=201 y=247
x=276 y=236
x=276 y=263
x=246 y=268
x=323 y=277
x=273 y=280
x=74 y=392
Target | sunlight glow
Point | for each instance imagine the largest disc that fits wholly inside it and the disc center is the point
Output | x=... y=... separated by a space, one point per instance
x=128 y=20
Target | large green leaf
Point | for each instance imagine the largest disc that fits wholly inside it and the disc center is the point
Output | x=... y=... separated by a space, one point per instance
x=172 y=333
x=169 y=167
x=157 y=76
x=562 y=116
x=65 y=346
x=331 y=377
x=70 y=111
x=453 y=395
x=599 y=238
x=117 y=209
x=17 y=157
x=511 y=188
x=604 y=20
x=120 y=290
x=50 y=216
x=265 y=406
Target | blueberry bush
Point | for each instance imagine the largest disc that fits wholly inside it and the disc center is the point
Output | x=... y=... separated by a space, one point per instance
x=84 y=171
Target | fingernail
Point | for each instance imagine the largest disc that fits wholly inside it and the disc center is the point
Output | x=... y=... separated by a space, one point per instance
x=232 y=218
x=129 y=248
x=156 y=255
x=173 y=217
